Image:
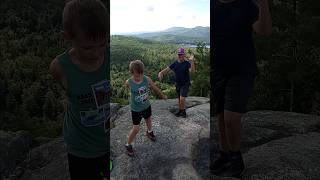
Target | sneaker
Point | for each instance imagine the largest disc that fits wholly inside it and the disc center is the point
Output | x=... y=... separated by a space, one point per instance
x=178 y=113
x=151 y=136
x=236 y=168
x=129 y=150
x=183 y=114
x=221 y=163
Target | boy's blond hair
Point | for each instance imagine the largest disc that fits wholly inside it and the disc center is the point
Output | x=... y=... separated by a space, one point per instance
x=90 y=16
x=136 y=66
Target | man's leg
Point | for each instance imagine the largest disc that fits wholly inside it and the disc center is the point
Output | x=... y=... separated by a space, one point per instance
x=178 y=113
x=183 y=94
x=221 y=162
x=233 y=129
x=182 y=103
x=224 y=145
x=238 y=90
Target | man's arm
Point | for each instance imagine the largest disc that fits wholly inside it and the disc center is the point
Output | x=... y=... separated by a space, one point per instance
x=57 y=73
x=163 y=73
x=263 y=26
x=154 y=87
x=192 y=68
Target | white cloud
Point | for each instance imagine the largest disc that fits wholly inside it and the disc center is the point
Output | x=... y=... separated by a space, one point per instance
x=154 y=15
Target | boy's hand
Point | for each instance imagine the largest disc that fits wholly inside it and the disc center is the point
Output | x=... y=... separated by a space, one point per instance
x=160 y=76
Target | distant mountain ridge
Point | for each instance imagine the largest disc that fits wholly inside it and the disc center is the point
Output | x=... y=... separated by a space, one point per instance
x=178 y=35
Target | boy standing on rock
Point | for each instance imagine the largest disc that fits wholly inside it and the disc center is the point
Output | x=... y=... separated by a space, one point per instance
x=139 y=86
x=181 y=68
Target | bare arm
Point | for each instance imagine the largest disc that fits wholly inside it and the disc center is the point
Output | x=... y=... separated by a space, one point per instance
x=163 y=73
x=57 y=73
x=126 y=84
x=263 y=26
x=191 y=60
x=154 y=87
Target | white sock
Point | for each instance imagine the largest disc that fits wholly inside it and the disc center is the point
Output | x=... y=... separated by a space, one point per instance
x=149 y=131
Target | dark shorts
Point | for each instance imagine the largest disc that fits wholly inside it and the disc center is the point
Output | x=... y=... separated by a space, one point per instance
x=89 y=168
x=182 y=90
x=137 y=116
x=231 y=91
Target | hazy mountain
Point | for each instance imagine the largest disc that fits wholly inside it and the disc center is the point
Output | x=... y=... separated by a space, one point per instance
x=178 y=35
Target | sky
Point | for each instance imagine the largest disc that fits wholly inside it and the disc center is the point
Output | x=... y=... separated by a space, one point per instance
x=129 y=16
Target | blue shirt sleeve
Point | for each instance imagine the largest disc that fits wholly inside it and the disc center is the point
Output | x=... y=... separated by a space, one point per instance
x=253 y=11
x=172 y=66
x=189 y=64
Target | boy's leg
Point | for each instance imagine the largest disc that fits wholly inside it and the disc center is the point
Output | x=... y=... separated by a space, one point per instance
x=83 y=168
x=149 y=124
x=136 y=119
x=134 y=131
x=147 y=116
x=103 y=164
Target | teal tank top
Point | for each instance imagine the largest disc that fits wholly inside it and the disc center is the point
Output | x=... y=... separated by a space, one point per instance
x=139 y=99
x=88 y=109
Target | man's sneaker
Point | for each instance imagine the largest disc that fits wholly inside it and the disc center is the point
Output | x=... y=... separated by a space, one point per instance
x=151 y=136
x=221 y=163
x=178 y=113
x=183 y=114
x=129 y=150
x=236 y=168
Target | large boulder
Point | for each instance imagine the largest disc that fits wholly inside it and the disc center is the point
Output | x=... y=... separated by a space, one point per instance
x=295 y=157
x=260 y=127
x=174 y=154
x=276 y=145
x=13 y=149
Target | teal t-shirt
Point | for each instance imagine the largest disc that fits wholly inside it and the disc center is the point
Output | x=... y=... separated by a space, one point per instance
x=88 y=109
x=139 y=99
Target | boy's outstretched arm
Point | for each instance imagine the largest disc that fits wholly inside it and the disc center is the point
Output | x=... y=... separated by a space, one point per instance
x=154 y=87
x=191 y=60
x=163 y=73
x=263 y=26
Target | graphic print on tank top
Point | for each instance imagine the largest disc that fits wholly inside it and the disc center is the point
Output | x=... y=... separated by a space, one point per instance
x=101 y=114
x=143 y=95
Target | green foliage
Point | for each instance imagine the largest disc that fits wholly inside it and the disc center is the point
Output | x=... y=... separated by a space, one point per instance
x=156 y=56
x=29 y=40
x=289 y=60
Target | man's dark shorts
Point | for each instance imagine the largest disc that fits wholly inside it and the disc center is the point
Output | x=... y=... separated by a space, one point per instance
x=182 y=90
x=231 y=91
x=137 y=116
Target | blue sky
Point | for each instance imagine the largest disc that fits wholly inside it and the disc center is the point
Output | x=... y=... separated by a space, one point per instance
x=155 y=15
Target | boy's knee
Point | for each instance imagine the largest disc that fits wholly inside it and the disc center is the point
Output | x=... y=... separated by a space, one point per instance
x=182 y=98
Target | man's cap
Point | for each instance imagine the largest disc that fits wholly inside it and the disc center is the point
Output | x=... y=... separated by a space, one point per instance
x=180 y=51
